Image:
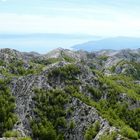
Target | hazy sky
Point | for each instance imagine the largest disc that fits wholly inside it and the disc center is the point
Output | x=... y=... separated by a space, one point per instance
x=95 y=17
x=106 y=18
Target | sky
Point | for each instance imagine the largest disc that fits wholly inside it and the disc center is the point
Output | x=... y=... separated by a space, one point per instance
x=88 y=18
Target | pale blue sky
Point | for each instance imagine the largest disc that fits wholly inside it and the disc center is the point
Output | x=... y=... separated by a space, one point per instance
x=105 y=18
x=96 y=17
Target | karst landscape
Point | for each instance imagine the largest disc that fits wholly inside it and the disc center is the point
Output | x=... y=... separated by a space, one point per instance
x=70 y=95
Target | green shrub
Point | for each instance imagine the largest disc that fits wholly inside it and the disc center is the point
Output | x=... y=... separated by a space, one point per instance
x=72 y=125
x=66 y=73
x=50 y=108
x=67 y=58
x=92 y=131
x=47 y=133
x=111 y=136
x=103 y=57
x=61 y=122
x=11 y=134
x=7 y=106
x=88 y=136
x=26 y=138
x=129 y=132
x=96 y=93
x=1 y=62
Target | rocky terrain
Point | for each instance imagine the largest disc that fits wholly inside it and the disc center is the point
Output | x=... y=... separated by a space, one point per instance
x=70 y=95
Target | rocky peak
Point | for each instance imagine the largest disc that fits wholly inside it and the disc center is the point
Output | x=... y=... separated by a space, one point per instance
x=9 y=55
x=63 y=54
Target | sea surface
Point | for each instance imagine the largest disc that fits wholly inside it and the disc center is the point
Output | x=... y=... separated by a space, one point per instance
x=41 y=43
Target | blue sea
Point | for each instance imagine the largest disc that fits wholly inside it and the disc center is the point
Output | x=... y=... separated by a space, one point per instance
x=41 y=43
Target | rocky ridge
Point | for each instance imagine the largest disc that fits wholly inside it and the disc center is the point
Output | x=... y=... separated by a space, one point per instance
x=84 y=114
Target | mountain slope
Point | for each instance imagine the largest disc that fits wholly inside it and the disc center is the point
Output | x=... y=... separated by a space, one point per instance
x=70 y=95
x=109 y=43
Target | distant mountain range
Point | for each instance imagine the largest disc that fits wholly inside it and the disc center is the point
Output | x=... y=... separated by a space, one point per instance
x=115 y=43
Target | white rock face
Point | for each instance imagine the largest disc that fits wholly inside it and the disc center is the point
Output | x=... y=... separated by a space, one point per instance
x=84 y=116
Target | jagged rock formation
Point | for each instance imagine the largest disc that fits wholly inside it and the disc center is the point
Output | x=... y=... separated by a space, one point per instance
x=94 y=83
x=84 y=116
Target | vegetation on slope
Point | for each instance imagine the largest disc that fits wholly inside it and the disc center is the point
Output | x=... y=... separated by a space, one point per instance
x=114 y=97
x=50 y=109
x=7 y=106
x=19 y=68
x=92 y=131
x=127 y=68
